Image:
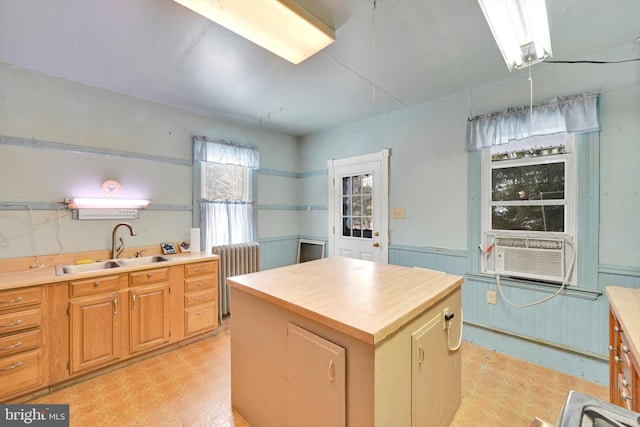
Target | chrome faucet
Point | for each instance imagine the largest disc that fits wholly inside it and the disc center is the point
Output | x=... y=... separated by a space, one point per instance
x=115 y=252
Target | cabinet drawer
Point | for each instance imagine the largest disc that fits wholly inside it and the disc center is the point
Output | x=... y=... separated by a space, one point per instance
x=20 y=297
x=203 y=297
x=199 y=268
x=22 y=341
x=12 y=322
x=94 y=286
x=197 y=283
x=20 y=372
x=148 y=276
x=200 y=318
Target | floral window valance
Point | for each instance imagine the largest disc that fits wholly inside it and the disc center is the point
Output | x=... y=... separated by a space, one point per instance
x=570 y=114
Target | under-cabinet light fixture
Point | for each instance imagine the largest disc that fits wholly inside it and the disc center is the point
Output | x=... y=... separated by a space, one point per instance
x=280 y=26
x=521 y=30
x=88 y=203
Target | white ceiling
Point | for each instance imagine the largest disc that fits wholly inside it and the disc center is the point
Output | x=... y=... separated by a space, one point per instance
x=422 y=50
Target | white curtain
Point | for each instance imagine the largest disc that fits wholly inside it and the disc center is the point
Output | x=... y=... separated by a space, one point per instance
x=227 y=222
x=571 y=114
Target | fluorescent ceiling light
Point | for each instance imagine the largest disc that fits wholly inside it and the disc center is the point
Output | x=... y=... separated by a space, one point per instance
x=84 y=203
x=280 y=26
x=521 y=30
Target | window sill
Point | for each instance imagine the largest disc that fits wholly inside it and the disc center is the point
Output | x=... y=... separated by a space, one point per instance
x=569 y=290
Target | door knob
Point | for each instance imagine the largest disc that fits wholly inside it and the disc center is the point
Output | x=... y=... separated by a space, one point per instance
x=376 y=244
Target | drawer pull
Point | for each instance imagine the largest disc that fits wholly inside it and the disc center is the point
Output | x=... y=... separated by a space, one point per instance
x=201 y=298
x=616 y=329
x=625 y=349
x=8 y=325
x=617 y=359
x=625 y=383
x=16 y=345
x=612 y=349
x=149 y=275
x=199 y=313
x=625 y=396
x=14 y=366
x=96 y=284
x=201 y=283
x=11 y=301
x=198 y=270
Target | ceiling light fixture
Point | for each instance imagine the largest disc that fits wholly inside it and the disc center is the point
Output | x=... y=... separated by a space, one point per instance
x=521 y=30
x=280 y=26
x=87 y=203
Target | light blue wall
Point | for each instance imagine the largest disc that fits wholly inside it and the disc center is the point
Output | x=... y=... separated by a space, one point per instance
x=433 y=178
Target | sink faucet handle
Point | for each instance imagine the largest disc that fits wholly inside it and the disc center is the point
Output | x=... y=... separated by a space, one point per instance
x=140 y=253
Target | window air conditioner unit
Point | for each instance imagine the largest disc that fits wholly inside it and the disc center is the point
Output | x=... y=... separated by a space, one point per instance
x=538 y=259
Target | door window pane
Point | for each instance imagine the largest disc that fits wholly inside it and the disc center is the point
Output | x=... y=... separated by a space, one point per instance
x=357 y=206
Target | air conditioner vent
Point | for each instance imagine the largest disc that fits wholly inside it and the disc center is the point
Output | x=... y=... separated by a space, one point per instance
x=539 y=259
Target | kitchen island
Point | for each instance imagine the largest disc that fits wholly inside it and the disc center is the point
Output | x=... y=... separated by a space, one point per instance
x=340 y=341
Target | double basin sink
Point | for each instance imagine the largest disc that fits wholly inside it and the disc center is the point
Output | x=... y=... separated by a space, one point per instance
x=61 y=270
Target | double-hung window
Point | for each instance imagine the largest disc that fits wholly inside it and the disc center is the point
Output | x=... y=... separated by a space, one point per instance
x=529 y=207
x=222 y=184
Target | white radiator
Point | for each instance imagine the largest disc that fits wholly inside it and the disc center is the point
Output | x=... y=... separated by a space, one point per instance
x=236 y=259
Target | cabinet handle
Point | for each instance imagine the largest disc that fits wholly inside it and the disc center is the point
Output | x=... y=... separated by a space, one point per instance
x=8 y=325
x=420 y=355
x=149 y=275
x=624 y=383
x=14 y=366
x=201 y=298
x=16 y=345
x=115 y=306
x=616 y=329
x=134 y=302
x=625 y=349
x=198 y=270
x=625 y=396
x=612 y=349
x=11 y=301
x=330 y=371
x=198 y=284
x=96 y=284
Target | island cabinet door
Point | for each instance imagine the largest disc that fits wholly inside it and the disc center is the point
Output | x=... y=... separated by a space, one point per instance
x=435 y=378
x=316 y=375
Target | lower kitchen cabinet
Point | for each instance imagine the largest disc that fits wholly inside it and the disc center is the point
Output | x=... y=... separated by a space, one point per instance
x=95 y=331
x=316 y=372
x=624 y=336
x=22 y=356
x=149 y=317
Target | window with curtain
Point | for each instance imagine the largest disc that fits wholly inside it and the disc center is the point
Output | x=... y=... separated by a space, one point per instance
x=223 y=176
x=529 y=187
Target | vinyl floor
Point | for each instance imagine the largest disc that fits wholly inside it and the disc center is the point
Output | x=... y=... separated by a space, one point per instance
x=190 y=386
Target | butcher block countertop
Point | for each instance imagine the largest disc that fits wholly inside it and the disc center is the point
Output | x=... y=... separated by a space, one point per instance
x=366 y=300
x=47 y=274
x=625 y=303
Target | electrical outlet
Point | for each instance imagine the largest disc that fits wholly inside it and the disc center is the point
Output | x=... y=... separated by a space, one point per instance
x=444 y=318
x=398 y=213
x=492 y=298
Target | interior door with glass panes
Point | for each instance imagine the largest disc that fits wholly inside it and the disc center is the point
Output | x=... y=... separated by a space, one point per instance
x=359 y=208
